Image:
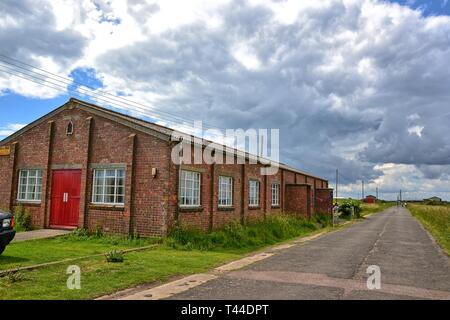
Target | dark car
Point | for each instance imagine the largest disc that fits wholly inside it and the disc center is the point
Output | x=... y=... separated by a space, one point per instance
x=7 y=231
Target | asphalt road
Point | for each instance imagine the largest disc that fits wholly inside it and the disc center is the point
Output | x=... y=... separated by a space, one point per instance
x=334 y=266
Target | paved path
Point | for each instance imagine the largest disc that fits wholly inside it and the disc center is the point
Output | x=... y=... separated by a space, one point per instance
x=334 y=266
x=39 y=234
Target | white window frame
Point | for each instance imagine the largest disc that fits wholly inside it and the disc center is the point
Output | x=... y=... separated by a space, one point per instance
x=225 y=194
x=275 y=194
x=253 y=193
x=116 y=187
x=36 y=192
x=192 y=193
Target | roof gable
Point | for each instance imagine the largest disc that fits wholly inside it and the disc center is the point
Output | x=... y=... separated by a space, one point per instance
x=134 y=123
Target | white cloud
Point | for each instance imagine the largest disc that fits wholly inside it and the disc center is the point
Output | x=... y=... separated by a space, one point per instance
x=417 y=130
x=9 y=129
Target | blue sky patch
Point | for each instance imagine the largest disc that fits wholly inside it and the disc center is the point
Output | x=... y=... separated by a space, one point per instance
x=86 y=76
x=16 y=109
x=429 y=8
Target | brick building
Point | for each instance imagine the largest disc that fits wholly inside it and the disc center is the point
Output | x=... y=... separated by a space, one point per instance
x=370 y=199
x=85 y=166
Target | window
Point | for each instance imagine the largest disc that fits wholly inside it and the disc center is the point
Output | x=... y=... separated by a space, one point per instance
x=69 y=130
x=225 y=191
x=109 y=186
x=30 y=185
x=189 y=188
x=253 y=199
x=275 y=194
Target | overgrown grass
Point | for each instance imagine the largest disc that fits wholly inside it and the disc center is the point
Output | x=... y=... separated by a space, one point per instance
x=250 y=236
x=436 y=220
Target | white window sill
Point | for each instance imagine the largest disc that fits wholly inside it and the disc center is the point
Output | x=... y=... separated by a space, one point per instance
x=118 y=205
x=29 y=201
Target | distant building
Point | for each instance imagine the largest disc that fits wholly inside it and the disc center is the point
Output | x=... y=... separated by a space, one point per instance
x=370 y=199
x=434 y=199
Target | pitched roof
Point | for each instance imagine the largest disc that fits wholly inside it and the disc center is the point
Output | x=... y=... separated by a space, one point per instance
x=433 y=198
x=137 y=124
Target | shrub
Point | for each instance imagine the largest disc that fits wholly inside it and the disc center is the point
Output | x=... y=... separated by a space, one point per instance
x=345 y=208
x=114 y=256
x=80 y=233
x=22 y=219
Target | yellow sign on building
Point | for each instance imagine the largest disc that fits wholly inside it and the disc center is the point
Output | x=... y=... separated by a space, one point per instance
x=5 y=151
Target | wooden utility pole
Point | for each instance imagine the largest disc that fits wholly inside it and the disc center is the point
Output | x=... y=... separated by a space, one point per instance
x=377 y=193
x=337 y=179
x=362 y=189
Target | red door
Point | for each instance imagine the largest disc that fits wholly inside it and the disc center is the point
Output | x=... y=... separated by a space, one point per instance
x=65 y=205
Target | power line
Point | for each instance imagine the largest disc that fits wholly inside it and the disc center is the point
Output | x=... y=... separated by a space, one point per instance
x=71 y=81
x=89 y=91
x=64 y=89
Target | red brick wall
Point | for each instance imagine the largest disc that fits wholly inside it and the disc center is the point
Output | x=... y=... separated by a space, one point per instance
x=225 y=215
x=6 y=170
x=297 y=201
x=151 y=194
x=198 y=217
x=110 y=144
x=68 y=149
x=31 y=152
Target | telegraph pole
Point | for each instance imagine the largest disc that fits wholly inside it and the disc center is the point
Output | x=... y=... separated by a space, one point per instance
x=337 y=182
x=362 y=189
x=377 y=193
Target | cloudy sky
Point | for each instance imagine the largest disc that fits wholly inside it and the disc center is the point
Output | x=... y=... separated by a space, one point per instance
x=359 y=85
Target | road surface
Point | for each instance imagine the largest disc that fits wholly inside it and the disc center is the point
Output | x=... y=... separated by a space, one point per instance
x=334 y=266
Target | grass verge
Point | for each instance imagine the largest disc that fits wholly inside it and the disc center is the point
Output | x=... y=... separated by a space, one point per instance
x=185 y=251
x=436 y=220
x=98 y=277
x=26 y=253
